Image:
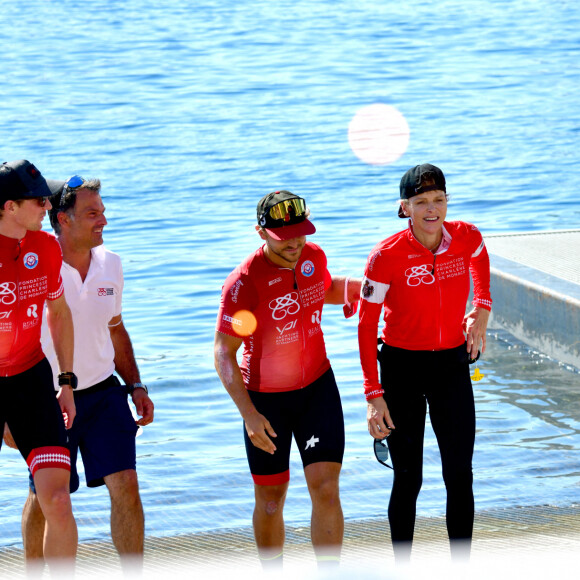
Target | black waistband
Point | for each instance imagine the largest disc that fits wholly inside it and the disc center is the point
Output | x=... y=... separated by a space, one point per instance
x=108 y=383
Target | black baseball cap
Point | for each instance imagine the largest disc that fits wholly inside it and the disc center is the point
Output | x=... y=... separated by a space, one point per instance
x=283 y=215
x=411 y=182
x=21 y=180
x=55 y=186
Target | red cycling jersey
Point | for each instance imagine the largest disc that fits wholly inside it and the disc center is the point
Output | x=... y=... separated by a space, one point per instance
x=286 y=351
x=423 y=294
x=29 y=275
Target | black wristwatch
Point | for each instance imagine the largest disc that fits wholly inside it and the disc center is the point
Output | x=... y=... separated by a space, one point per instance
x=134 y=386
x=69 y=379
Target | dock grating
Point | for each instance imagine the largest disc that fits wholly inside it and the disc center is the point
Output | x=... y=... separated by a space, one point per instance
x=529 y=531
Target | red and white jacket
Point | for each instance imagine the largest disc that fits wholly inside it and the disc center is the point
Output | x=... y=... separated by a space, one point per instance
x=286 y=351
x=423 y=294
x=29 y=275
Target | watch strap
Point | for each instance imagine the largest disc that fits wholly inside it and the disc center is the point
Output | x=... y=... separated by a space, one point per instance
x=134 y=386
x=68 y=378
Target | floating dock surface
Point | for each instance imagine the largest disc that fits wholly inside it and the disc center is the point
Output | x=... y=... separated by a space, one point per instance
x=535 y=286
x=530 y=542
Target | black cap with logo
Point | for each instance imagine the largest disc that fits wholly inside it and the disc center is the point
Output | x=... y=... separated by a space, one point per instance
x=21 y=180
x=411 y=182
x=283 y=215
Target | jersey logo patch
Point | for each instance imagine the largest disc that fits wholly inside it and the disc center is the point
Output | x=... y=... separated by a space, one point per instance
x=417 y=275
x=368 y=289
x=7 y=292
x=307 y=268
x=30 y=260
x=284 y=306
x=105 y=292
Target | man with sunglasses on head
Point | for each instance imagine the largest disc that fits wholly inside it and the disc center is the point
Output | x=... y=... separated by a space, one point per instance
x=30 y=262
x=272 y=304
x=104 y=429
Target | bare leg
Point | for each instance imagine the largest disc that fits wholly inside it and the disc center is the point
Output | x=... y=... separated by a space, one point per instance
x=269 y=523
x=127 y=518
x=33 y=524
x=327 y=528
x=60 y=533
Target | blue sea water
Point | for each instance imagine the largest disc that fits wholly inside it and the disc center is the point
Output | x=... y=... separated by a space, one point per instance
x=189 y=112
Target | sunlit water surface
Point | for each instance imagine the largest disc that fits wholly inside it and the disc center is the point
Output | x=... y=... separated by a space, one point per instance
x=189 y=114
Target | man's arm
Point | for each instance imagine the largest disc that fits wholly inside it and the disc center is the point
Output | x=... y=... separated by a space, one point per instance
x=226 y=364
x=60 y=325
x=335 y=294
x=126 y=366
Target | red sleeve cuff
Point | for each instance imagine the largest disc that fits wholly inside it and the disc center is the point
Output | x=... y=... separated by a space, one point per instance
x=482 y=303
x=375 y=393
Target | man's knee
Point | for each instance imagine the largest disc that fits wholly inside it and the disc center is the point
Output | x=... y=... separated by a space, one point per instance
x=54 y=503
x=123 y=484
x=270 y=498
x=323 y=482
x=32 y=507
x=326 y=491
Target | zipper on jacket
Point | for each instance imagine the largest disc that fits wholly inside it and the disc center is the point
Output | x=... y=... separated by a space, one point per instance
x=303 y=338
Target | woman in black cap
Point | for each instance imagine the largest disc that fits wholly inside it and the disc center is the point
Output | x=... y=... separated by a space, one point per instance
x=421 y=277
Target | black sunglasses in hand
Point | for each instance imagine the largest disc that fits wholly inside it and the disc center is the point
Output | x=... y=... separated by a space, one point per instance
x=382 y=451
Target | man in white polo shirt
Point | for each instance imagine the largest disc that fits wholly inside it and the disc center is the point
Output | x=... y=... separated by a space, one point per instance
x=104 y=428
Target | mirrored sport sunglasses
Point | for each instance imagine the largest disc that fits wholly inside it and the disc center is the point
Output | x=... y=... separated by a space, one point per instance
x=287 y=209
x=41 y=201
x=71 y=183
x=382 y=452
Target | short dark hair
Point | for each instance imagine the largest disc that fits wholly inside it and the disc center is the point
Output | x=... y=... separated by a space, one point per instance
x=65 y=200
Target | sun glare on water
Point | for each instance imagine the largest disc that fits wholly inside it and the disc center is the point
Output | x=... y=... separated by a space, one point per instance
x=378 y=134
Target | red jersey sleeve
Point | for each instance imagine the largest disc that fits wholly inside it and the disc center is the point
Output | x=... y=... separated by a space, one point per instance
x=327 y=280
x=238 y=293
x=479 y=268
x=55 y=284
x=373 y=291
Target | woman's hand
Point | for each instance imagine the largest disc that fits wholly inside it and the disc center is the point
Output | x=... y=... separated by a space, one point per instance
x=475 y=327
x=379 y=419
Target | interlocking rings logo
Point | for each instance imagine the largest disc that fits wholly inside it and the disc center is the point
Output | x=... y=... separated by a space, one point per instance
x=284 y=306
x=419 y=275
x=31 y=260
x=7 y=292
x=307 y=268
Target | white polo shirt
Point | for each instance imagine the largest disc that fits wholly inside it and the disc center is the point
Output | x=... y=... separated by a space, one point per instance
x=93 y=303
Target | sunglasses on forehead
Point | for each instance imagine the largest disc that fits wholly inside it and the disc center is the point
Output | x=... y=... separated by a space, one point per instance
x=287 y=209
x=70 y=184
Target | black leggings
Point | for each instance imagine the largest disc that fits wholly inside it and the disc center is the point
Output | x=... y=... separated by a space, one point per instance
x=411 y=380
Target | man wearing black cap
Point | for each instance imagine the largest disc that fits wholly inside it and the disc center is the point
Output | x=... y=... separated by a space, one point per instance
x=272 y=304
x=30 y=261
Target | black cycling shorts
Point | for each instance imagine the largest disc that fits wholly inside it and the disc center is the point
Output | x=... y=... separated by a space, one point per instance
x=312 y=414
x=29 y=406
